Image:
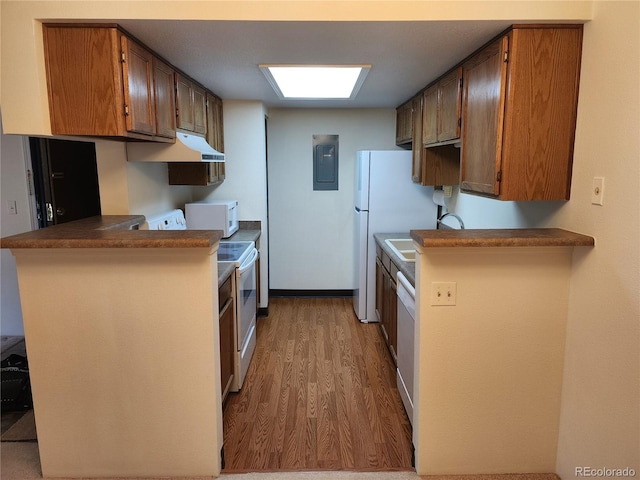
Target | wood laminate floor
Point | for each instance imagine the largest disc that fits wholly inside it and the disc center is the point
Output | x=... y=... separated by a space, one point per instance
x=320 y=394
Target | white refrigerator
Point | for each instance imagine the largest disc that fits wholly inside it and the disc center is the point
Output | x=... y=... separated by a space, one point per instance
x=387 y=201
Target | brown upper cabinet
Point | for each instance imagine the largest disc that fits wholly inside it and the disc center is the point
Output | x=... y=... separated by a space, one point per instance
x=416 y=144
x=215 y=127
x=137 y=74
x=441 y=110
x=196 y=173
x=204 y=173
x=434 y=163
x=191 y=105
x=519 y=114
x=164 y=88
x=101 y=82
x=404 y=123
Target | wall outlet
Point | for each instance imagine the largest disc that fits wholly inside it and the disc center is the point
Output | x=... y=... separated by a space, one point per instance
x=597 y=191
x=443 y=293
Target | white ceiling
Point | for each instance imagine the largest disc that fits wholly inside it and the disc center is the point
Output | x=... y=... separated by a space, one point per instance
x=224 y=55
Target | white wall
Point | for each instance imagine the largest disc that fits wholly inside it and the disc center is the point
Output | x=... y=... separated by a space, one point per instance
x=600 y=422
x=150 y=192
x=246 y=173
x=600 y=401
x=480 y=212
x=311 y=232
x=13 y=188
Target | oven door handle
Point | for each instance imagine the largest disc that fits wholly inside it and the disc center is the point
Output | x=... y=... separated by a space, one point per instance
x=248 y=263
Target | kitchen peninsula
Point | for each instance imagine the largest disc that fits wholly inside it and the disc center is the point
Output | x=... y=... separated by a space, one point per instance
x=489 y=365
x=120 y=329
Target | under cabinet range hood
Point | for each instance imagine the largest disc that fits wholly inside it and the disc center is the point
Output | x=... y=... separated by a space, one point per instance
x=188 y=148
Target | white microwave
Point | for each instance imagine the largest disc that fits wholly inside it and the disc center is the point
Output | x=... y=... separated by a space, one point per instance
x=213 y=215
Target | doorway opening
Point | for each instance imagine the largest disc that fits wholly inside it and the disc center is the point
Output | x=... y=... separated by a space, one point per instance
x=65 y=178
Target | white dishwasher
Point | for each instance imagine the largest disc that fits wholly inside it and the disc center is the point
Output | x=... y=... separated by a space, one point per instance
x=406 y=338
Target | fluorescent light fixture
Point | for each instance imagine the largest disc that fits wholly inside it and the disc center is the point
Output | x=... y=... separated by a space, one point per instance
x=315 y=82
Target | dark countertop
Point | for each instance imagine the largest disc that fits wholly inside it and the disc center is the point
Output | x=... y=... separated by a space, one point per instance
x=408 y=269
x=110 y=231
x=524 y=237
x=114 y=231
x=519 y=237
x=225 y=269
x=244 y=235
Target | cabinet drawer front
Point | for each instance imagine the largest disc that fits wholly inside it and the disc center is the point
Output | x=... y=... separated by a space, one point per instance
x=386 y=261
x=393 y=271
x=224 y=292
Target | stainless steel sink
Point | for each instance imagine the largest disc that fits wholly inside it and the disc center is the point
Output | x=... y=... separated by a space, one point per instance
x=403 y=248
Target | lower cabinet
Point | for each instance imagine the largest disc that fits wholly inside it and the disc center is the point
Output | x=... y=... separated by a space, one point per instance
x=227 y=314
x=387 y=300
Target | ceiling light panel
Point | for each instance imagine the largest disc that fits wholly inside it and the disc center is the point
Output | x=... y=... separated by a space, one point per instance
x=316 y=81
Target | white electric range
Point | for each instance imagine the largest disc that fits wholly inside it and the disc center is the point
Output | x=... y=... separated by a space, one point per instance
x=243 y=254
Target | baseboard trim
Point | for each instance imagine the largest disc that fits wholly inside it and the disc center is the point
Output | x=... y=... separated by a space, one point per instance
x=310 y=293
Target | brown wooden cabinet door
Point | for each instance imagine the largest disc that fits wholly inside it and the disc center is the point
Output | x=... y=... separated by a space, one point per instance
x=84 y=80
x=416 y=147
x=226 y=345
x=483 y=111
x=184 y=103
x=449 y=106
x=379 y=288
x=220 y=130
x=222 y=172
x=404 y=123
x=540 y=113
x=214 y=123
x=386 y=286
x=191 y=104
x=165 y=101
x=215 y=127
x=137 y=73
x=430 y=116
x=199 y=109
x=393 y=318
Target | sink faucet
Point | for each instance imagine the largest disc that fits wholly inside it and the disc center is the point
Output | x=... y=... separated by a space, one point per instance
x=453 y=215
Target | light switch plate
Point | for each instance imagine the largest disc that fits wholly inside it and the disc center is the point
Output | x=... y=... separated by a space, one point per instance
x=443 y=293
x=12 y=207
x=597 y=191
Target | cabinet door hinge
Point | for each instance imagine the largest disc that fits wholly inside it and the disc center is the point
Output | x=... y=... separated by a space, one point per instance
x=460 y=122
x=126 y=110
x=506 y=56
x=123 y=58
x=499 y=176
